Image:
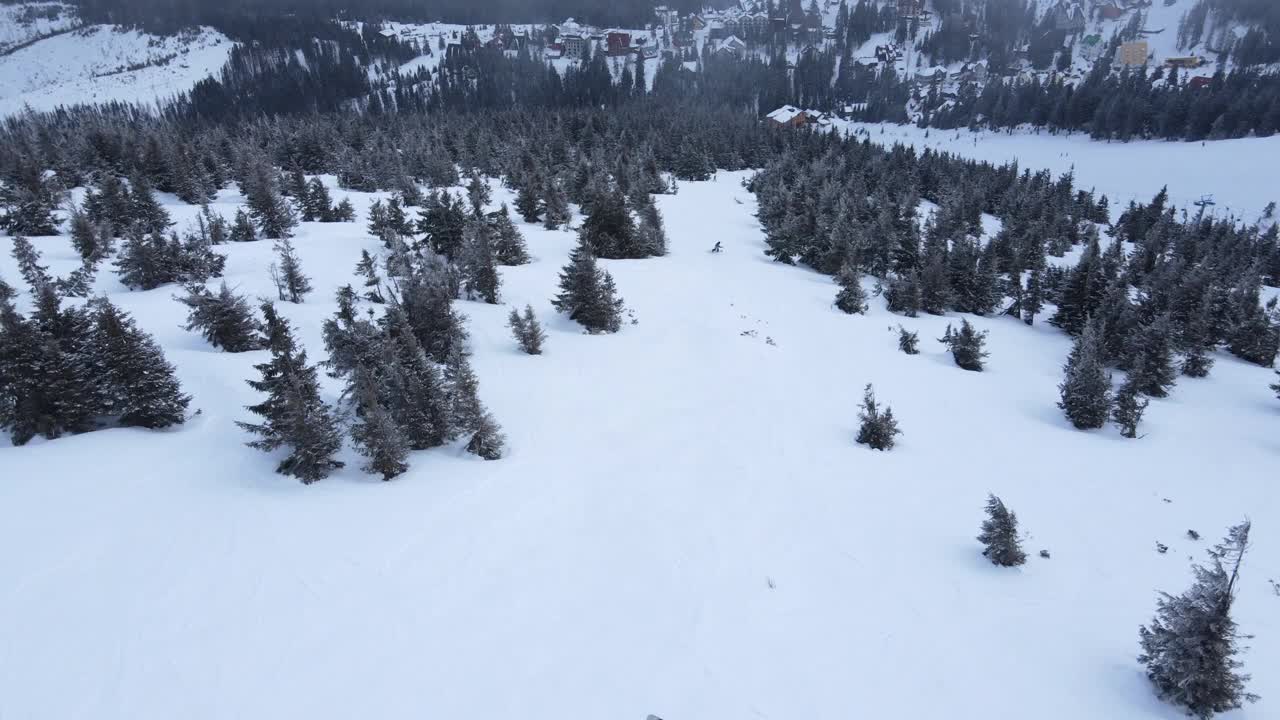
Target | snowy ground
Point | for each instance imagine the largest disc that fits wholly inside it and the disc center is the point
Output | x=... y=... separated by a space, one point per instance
x=106 y=63
x=683 y=526
x=1240 y=174
x=20 y=24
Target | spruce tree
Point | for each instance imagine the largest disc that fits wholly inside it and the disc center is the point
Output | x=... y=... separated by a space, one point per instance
x=224 y=319
x=587 y=293
x=1129 y=408
x=28 y=259
x=267 y=206
x=966 y=346
x=417 y=397
x=528 y=204
x=242 y=229
x=527 y=330
x=903 y=294
x=555 y=206
x=651 y=233
x=293 y=414
x=608 y=228
x=376 y=435
x=1191 y=645
x=143 y=389
x=1000 y=535
x=368 y=269
x=508 y=243
x=1153 y=372
x=1086 y=386
x=878 y=428
x=1033 y=298
x=851 y=299
x=908 y=342
x=480 y=279
x=291 y=284
x=487 y=441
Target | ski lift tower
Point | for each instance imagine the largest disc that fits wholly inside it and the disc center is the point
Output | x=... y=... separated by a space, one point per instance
x=1205 y=202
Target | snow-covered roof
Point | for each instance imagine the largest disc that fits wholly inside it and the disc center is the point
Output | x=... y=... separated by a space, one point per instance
x=786 y=113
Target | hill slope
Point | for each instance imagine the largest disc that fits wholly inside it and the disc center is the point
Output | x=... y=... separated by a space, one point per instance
x=683 y=526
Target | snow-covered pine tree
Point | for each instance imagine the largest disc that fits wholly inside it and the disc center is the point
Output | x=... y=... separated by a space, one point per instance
x=367 y=268
x=608 y=228
x=878 y=428
x=242 y=228
x=508 y=243
x=587 y=293
x=1086 y=385
x=375 y=433
x=527 y=330
x=555 y=204
x=291 y=284
x=478 y=193
x=293 y=414
x=527 y=202
x=144 y=209
x=28 y=259
x=1190 y=648
x=1129 y=407
x=487 y=441
x=480 y=279
x=1033 y=296
x=902 y=294
x=1000 y=535
x=315 y=202
x=966 y=346
x=267 y=206
x=224 y=319
x=851 y=299
x=416 y=395
x=141 y=384
x=651 y=232
x=1153 y=372
x=908 y=342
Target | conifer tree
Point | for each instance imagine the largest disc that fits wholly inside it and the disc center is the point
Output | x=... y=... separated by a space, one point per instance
x=267 y=206
x=1191 y=645
x=1129 y=408
x=368 y=269
x=144 y=209
x=242 y=229
x=478 y=193
x=527 y=202
x=487 y=441
x=651 y=234
x=908 y=342
x=224 y=319
x=376 y=435
x=84 y=234
x=903 y=294
x=966 y=346
x=878 y=428
x=555 y=206
x=479 y=266
x=1086 y=386
x=143 y=389
x=315 y=202
x=417 y=397
x=1255 y=339
x=1000 y=535
x=527 y=330
x=1033 y=299
x=28 y=259
x=587 y=294
x=293 y=414
x=508 y=243
x=291 y=284
x=608 y=228
x=851 y=299
x=1153 y=372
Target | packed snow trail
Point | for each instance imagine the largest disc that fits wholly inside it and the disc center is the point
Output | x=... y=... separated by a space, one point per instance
x=683 y=524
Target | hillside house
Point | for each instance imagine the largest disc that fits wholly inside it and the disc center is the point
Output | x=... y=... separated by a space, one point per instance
x=1188 y=62
x=575 y=46
x=618 y=43
x=787 y=116
x=732 y=47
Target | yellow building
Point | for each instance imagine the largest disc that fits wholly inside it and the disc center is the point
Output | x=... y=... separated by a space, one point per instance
x=1132 y=54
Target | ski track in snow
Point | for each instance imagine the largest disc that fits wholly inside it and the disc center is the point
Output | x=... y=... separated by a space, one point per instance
x=618 y=562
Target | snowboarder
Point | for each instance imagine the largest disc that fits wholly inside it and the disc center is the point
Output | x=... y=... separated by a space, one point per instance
x=717 y=248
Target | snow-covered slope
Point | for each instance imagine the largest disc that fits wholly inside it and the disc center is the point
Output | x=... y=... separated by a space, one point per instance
x=25 y=23
x=105 y=63
x=683 y=526
x=1238 y=174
